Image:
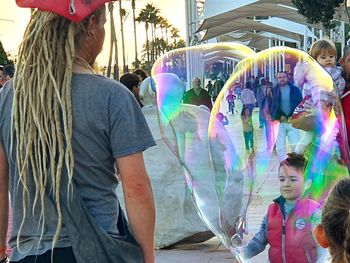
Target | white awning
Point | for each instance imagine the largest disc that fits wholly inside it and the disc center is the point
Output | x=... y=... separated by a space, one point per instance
x=215 y=14
x=259 y=41
x=219 y=21
x=245 y=25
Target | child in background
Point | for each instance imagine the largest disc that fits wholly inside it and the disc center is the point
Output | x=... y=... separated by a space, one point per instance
x=287 y=226
x=248 y=130
x=231 y=101
x=132 y=82
x=334 y=230
x=222 y=118
x=238 y=90
x=325 y=53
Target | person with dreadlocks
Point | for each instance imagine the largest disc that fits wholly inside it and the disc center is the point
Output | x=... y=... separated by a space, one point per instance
x=63 y=135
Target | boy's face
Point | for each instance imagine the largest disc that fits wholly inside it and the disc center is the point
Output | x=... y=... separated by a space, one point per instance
x=291 y=183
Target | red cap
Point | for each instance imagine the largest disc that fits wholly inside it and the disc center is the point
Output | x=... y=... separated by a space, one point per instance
x=74 y=10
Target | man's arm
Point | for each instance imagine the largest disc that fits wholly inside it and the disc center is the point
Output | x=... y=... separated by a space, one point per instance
x=139 y=202
x=4 y=199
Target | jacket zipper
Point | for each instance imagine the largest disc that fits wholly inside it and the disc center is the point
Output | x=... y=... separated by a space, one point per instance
x=284 y=240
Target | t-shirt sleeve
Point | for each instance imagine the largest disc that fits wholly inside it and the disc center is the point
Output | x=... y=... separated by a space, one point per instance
x=128 y=130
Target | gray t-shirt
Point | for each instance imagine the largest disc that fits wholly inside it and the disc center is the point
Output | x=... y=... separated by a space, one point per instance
x=107 y=124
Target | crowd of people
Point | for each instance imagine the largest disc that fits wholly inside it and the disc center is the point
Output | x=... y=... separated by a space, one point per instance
x=66 y=144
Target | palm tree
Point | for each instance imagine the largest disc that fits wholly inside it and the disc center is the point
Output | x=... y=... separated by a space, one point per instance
x=167 y=26
x=113 y=43
x=122 y=14
x=160 y=46
x=143 y=17
x=164 y=25
x=174 y=34
x=135 y=41
x=153 y=19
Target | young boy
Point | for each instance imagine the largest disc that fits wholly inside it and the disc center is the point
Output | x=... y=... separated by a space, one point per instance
x=287 y=226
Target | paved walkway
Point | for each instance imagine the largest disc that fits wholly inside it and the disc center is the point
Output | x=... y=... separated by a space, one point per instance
x=265 y=189
x=208 y=252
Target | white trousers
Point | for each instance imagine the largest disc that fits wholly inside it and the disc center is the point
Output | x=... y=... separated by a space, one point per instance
x=285 y=131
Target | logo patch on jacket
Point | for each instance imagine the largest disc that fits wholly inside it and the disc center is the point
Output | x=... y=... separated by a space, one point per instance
x=300 y=223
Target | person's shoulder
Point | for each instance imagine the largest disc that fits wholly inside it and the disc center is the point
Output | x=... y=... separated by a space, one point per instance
x=6 y=88
x=205 y=92
x=272 y=207
x=107 y=82
x=100 y=82
x=311 y=204
x=190 y=91
x=295 y=88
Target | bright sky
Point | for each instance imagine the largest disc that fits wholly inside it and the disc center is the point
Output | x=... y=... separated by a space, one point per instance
x=14 y=19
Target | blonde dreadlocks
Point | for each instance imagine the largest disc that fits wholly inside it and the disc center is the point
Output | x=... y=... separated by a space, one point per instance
x=42 y=108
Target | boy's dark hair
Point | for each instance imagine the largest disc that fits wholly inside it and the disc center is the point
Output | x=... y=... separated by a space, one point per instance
x=9 y=70
x=141 y=73
x=130 y=80
x=297 y=161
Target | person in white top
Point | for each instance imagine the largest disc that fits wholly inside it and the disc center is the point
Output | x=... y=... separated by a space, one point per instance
x=248 y=97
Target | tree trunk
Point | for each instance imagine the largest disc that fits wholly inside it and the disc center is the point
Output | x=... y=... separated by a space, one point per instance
x=116 y=55
x=110 y=7
x=122 y=33
x=135 y=40
x=153 y=40
x=147 y=43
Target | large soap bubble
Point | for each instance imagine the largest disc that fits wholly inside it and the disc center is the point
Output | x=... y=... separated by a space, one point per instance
x=217 y=194
x=280 y=123
x=230 y=148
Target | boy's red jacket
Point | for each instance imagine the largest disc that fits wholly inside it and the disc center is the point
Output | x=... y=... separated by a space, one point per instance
x=290 y=238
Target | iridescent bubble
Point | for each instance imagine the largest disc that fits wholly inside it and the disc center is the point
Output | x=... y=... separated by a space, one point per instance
x=286 y=123
x=230 y=148
x=217 y=194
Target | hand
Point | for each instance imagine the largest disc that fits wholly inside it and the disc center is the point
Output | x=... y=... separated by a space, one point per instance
x=309 y=105
x=310 y=108
x=311 y=112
